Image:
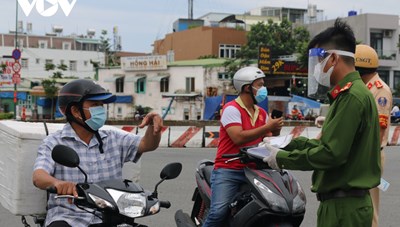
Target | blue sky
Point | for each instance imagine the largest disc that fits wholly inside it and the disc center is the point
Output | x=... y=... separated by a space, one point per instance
x=140 y=22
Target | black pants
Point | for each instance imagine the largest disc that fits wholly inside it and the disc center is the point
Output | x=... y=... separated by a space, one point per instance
x=59 y=224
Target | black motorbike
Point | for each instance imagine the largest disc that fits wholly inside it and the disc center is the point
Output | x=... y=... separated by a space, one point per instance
x=116 y=202
x=269 y=198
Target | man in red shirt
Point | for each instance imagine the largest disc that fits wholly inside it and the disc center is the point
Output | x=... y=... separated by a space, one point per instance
x=243 y=123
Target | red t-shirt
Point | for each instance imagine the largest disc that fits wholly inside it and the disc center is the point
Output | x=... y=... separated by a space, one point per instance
x=233 y=114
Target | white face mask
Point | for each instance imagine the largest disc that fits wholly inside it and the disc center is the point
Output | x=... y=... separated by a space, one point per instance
x=323 y=78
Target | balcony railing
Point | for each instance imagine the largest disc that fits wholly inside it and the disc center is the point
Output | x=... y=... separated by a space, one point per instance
x=387 y=54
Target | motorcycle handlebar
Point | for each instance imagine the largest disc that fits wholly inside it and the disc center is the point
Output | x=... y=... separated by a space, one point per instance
x=165 y=204
x=245 y=157
x=238 y=155
x=51 y=189
x=231 y=155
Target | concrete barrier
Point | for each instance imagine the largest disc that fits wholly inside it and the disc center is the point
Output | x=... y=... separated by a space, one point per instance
x=19 y=142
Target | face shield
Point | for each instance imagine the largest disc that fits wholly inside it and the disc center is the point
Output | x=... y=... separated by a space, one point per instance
x=315 y=57
x=318 y=80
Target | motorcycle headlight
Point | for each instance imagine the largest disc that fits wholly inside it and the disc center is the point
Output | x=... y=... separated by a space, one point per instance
x=129 y=204
x=275 y=201
x=299 y=202
x=100 y=202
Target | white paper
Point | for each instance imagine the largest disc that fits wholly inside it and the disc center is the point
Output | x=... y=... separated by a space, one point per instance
x=384 y=185
x=260 y=152
x=279 y=141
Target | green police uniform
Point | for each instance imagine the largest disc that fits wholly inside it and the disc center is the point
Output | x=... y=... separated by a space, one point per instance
x=346 y=160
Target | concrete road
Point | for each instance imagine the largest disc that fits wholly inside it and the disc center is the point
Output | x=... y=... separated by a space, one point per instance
x=179 y=191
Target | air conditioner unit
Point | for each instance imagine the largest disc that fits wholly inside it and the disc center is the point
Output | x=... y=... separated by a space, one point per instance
x=388 y=33
x=57 y=29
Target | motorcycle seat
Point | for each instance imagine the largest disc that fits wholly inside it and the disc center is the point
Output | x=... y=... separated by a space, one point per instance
x=207 y=170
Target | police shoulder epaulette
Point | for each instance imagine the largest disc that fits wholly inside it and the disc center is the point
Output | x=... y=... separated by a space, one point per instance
x=346 y=87
x=378 y=84
x=369 y=85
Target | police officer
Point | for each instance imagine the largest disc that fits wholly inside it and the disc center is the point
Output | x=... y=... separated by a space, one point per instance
x=346 y=159
x=366 y=64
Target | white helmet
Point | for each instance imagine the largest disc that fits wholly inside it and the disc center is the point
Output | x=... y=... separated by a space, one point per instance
x=245 y=76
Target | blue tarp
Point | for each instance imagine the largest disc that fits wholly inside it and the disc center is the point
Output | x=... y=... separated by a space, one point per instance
x=46 y=103
x=58 y=113
x=124 y=99
x=212 y=105
x=308 y=102
x=10 y=95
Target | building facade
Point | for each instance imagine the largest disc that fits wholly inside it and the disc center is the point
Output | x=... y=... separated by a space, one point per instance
x=176 y=90
x=76 y=53
x=294 y=15
x=221 y=35
x=37 y=51
x=200 y=42
x=380 y=32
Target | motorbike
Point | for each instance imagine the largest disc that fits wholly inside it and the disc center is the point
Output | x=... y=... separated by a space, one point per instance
x=116 y=202
x=268 y=198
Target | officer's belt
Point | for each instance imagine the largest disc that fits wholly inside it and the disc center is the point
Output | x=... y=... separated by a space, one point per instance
x=342 y=194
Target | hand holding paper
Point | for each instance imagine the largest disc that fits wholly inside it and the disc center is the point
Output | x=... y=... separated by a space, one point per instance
x=271 y=158
x=268 y=149
x=278 y=141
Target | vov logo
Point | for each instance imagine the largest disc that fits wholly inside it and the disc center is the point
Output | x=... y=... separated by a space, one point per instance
x=65 y=5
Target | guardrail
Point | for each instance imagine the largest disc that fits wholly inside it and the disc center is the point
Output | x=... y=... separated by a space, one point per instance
x=206 y=133
x=208 y=136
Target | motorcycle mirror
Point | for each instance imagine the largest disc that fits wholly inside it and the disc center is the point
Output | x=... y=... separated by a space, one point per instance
x=65 y=156
x=171 y=171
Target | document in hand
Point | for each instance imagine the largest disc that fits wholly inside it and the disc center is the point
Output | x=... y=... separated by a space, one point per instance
x=277 y=141
x=259 y=152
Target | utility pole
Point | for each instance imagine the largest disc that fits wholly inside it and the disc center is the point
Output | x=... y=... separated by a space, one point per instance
x=190 y=13
x=16 y=47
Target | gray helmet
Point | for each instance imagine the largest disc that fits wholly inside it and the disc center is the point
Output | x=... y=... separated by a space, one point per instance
x=245 y=76
x=80 y=90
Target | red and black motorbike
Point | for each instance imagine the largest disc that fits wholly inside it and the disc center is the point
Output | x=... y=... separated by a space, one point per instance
x=269 y=198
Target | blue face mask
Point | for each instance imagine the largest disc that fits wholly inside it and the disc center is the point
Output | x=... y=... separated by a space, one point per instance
x=98 y=117
x=262 y=94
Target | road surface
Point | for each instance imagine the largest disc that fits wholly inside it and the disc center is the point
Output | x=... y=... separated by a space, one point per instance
x=179 y=191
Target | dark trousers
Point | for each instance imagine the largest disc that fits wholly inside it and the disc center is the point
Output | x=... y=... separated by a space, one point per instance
x=59 y=224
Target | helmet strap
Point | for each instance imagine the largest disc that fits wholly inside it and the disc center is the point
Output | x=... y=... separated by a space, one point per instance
x=254 y=99
x=100 y=142
x=252 y=94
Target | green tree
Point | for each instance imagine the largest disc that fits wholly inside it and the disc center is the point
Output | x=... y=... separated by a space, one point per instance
x=282 y=38
x=105 y=47
x=49 y=66
x=396 y=92
x=50 y=85
x=3 y=67
x=50 y=90
x=96 y=66
x=302 y=37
